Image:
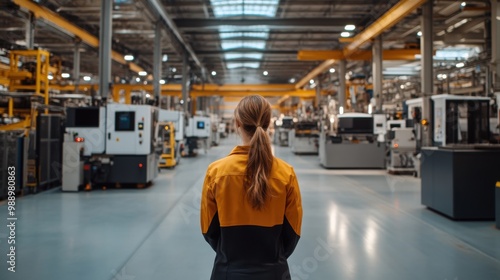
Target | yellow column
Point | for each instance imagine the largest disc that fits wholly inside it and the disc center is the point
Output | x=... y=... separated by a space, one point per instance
x=11 y=107
x=38 y=73
x=127 y=96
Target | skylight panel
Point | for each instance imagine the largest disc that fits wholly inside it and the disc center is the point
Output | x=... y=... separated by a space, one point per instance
x=229 y=56
x=227 y=45
x=235 y=65
x=228 y=8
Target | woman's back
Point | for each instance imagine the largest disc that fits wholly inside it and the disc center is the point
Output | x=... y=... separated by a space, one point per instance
x=251 y=210
x=250 y=242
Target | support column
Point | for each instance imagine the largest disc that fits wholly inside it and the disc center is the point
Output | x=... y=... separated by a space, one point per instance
x=377 y=75
x=105 y=49
x=76 y=65
x=495 y=44
x=30 y=31
x=157 y=62
x=427 y=72
x=185 y=80
x=318 y=94
x=342 y=84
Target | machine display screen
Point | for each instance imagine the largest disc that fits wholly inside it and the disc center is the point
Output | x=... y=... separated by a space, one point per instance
x=86 y=117
x=200 y=125
x=124 y=121
x=355 y=125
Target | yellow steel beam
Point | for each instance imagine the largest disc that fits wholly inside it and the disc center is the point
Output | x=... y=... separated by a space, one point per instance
x=245 y=87
x=320 y=54
x=282 y=99
x=399 y=54
x=297 y=93
x=232 y=99
x=89 y=39
x=387 y=20
x=315 y=72
x=346 y=40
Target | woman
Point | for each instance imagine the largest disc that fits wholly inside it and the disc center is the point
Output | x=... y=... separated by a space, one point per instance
x=251 y=210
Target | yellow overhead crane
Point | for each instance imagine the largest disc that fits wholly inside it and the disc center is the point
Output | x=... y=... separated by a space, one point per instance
x=386 y=21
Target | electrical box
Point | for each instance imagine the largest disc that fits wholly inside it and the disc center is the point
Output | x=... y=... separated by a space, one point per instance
x=88 y=123
x=198 y=127
x=130 y=129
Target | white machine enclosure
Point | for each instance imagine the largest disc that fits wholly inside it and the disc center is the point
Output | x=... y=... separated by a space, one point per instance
x=176 y=117
x=402 y=147
x=90 y=124
x=379 y=124
x=440 y=113
x=130 y=129
x=72 y=165
x=198 y=127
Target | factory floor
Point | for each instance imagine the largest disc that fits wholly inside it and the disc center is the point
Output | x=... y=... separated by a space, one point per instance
x=358 y=224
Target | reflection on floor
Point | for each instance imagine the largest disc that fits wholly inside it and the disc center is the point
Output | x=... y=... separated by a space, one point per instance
x=360 y=224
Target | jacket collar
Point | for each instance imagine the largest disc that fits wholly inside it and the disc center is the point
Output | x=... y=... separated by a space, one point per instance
x=240 y=150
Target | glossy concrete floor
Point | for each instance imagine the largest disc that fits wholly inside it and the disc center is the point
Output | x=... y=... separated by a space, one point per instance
x=360 y=224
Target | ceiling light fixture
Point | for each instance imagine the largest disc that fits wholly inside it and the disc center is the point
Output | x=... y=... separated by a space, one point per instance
x=292 y=80
x=311 y=81
x=419 y=33
x=460 y=65
x=137 y=79
x=332 y=70
x=265 y=73
x=350 y=27
x=142 y=73
x=214 y=73
x=345 y=34
x=463 y=4
x=128 y=57
x=65 y=75
x=164 y=58
x=50 y=77
x=162 y=82
x=87 y=78
x=174 y=69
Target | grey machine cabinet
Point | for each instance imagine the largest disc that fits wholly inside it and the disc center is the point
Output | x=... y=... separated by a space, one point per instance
x=460 y=183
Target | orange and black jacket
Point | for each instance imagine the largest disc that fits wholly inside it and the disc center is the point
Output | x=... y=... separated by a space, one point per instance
x=249 y=243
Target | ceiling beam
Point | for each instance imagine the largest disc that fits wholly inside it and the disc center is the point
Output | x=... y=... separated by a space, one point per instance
x=399 y=54
x=315 y=72
x=245 y=50
x=158 y=7
x=196 y=3
x=386 y=21
x=71 y=29
x=272 y=23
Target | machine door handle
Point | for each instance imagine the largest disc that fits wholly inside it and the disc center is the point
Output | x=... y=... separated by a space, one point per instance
x=109 y=135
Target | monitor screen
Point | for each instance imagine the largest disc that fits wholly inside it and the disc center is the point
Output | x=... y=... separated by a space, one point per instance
x=355 y=125
x=86 y=117
x=393 y=125
x=124 y=121
x=200 y=125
